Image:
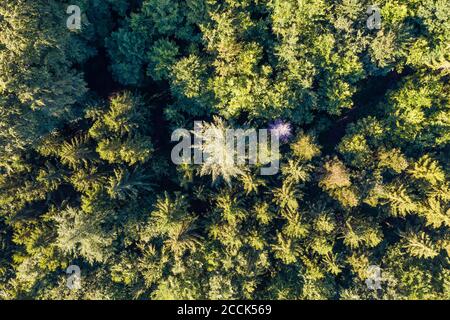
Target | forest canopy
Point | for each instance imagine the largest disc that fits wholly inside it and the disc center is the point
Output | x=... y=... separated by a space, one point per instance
x=87 y=180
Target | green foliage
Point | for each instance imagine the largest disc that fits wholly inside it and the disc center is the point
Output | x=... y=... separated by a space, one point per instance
x=85 y=171
x=121 y=130
x=162 y=56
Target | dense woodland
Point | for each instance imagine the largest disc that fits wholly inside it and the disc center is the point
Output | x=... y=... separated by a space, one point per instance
x=86 y=176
